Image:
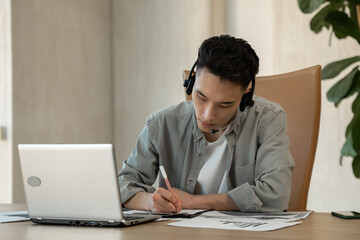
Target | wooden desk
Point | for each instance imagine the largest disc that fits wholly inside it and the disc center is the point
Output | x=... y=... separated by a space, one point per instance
x=316 y=226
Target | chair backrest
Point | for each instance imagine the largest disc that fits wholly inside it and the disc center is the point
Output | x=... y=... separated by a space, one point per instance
x=299 y=93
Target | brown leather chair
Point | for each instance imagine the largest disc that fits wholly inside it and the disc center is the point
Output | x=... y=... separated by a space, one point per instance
x=299 y=93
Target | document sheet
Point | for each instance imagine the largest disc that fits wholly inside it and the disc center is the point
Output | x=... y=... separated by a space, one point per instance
x=14 y=216
x=187 y=213
x=243 y=221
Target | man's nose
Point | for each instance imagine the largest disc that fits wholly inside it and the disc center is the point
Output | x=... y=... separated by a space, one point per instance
x=209 y=112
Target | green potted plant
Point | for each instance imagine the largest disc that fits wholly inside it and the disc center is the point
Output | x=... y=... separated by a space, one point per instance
x=342 y=18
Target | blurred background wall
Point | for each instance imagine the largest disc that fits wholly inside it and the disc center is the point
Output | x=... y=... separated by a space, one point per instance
x=91 y=71
x=61 y=80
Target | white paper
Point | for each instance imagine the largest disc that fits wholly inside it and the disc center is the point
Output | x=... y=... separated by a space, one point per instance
x=287 y=216
x=14 y=216
x=243 y=221
x=188 y=211
x=172 y=215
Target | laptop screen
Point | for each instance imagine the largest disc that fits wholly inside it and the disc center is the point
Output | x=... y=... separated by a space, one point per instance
x=71 y=181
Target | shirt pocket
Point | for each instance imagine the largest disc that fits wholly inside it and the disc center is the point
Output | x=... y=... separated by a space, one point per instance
x=245 y=174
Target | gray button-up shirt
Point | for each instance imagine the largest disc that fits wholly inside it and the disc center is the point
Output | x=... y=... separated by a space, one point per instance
x=258 y=167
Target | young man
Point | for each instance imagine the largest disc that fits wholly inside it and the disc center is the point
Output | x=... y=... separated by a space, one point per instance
x=222 y=150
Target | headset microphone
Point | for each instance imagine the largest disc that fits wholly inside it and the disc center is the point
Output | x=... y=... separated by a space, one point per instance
x=213 y=131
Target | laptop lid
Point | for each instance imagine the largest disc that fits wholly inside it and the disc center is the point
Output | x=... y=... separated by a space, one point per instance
x=65 y=182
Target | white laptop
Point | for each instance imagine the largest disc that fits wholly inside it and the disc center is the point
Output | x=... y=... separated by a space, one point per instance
x=74 y=184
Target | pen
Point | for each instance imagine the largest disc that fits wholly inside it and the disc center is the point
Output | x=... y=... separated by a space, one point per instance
x=163 y=173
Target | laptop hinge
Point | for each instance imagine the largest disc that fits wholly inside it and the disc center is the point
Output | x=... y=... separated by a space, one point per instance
x=111 y=221
x=39 y=218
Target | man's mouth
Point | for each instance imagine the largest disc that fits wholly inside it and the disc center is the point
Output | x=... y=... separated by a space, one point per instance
x=205 y=124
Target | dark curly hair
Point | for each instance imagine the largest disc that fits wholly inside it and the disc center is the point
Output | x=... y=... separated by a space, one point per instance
x=229 y=58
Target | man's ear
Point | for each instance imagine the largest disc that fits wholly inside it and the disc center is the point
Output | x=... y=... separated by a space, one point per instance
x=249 y=87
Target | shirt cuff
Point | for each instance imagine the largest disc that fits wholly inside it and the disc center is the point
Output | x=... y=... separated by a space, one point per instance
x=245 y=198
x=129 y=189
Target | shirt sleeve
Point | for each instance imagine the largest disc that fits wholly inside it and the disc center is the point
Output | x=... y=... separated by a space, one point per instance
x=273 y=166
x=140 y=170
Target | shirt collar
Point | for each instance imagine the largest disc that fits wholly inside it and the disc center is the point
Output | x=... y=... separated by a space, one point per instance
x=235 y=125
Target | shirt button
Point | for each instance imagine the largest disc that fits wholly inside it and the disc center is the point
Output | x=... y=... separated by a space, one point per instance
x=190 y=181
x=200 y=154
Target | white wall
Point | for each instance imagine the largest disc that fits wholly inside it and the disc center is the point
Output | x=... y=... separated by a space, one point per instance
x=5 y=104
x=253 y=21
x=154 y=41
x=62 y=88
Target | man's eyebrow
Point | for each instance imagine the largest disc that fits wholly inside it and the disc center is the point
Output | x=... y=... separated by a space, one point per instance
x=225 y=102
x=199 y=92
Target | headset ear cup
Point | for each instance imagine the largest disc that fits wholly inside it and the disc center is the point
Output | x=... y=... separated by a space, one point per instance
x=190 y=84
x=246 y=101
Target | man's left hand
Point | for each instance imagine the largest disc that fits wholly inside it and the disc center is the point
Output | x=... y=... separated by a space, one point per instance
x=188 y=201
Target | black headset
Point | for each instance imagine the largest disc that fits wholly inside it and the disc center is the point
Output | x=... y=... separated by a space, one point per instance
x=246 y=100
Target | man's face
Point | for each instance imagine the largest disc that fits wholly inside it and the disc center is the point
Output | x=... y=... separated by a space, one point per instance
x=215 y=100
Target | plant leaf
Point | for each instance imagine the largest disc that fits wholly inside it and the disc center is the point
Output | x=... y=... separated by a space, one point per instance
x=350 y=126
x=333 y=69
x=348 y=149
x=355 y=86
x=356 y=104
x=356 y=132
x=317 y=22
x=308 y=6
x=341 y=88
x=356 y=166
x=343 y=26
x=341 y=158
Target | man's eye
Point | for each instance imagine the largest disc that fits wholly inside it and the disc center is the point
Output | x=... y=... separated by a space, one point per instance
x=201 y=98
x=224 y=106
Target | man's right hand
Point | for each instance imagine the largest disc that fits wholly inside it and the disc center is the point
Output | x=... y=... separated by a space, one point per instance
x=166 y=201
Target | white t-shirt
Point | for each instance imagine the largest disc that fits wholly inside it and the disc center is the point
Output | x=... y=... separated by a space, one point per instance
x=212 y=177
